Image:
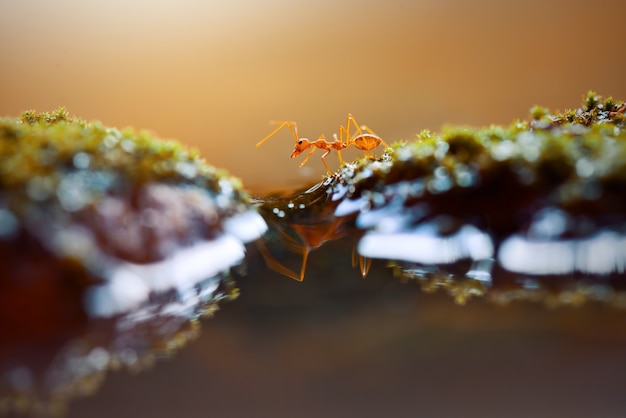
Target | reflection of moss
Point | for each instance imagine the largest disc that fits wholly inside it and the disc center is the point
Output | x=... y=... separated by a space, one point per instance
x=461 y=290
x=134 y=341
x=74 y=374
x=551 y=293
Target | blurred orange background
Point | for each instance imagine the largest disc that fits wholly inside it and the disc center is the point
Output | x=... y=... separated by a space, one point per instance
x=212 y=74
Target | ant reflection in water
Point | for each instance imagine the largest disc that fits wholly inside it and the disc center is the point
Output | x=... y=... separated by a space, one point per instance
x=301 y=224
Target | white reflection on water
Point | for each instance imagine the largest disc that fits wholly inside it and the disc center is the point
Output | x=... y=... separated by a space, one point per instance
x=602 y=253
x=246 y=226
x=130 y=284
x=425 y=245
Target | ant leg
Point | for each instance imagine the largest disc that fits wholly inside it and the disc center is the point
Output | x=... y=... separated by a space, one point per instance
x=324 y=161
x=342 y=134
x=340 y=146
x=290 y=242
x=308 y=156
x=364 y=262
x=340 y=159
x=305 y=257
x=293 y=127
x=351 y=120
x=273 y=264
x=361 y=129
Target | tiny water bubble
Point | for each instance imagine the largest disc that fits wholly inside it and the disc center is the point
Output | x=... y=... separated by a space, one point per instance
x=110 y=141
x=584 y=167
x=441 y=181
x=188 y=170
x=442 y=149
x=81 y=160
x=128 y=145
x=503 y=150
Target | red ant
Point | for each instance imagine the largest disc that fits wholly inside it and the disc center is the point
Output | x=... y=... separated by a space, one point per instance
x=364 y=139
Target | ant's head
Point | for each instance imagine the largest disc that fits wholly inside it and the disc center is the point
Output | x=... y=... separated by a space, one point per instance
x=302 y=145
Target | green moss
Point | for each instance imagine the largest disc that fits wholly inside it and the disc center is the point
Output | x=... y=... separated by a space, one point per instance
x=38 y=150
x=33 y=117
x=501 y=180
x=539 y=112
x=542 y=152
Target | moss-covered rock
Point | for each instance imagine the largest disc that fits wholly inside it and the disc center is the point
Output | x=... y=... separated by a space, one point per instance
x=81 y=203
x=543 y=198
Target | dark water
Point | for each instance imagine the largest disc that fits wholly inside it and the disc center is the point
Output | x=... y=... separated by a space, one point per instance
x=337 y=345
x=408 y=340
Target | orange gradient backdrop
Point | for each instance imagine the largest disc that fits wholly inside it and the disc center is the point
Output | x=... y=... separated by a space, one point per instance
x=212 y=74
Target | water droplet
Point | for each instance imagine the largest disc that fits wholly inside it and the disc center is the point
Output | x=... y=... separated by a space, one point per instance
x=81 y=160
x=72 y=192
x=442 y=149
x=404 y=154
x=584 y=167
x=530 y=146
x=441 y=182
x=111 y=140
x=503 y=150
x=128 y=145
x=465 y=175
x=98 y=358
x=188 y=170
